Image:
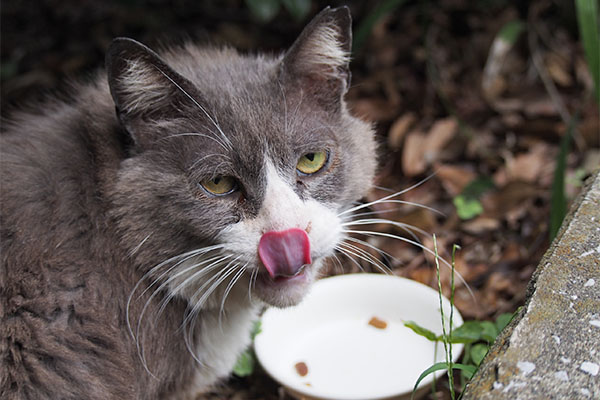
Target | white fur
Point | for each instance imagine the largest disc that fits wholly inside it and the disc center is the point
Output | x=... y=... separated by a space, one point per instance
x=283 y=209
x=324 y=48
x=142 y=90
x=222 y=339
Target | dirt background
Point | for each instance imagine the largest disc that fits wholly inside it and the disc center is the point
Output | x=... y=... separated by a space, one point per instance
x=451 y=106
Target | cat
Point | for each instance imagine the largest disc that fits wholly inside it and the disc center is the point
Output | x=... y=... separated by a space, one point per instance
x=147 y=219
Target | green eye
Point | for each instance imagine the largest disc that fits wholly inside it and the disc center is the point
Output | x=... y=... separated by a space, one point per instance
x=311 y=162
x=220 y=185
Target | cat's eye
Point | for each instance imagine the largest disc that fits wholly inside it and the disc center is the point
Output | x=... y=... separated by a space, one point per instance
x=220 y=185
x=311 y=163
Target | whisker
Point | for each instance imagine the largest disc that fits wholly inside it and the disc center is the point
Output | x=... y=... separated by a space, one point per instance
x=349 y=255
x=139 y=246
x=219 y=142
x=371 y=213
x=426 y=249
x=377 y=249
x=365 y=256
x=394 y=201
x=339 y=263
x=228 y=289
x=383 y=199
x=185 y=257
x=230 y=285
x=205 y=157
x=219 y=278
x=173 y=292
x=225 y=272
x=252 y=283
x=225 y=138
x=405 y=227
x=168 y=298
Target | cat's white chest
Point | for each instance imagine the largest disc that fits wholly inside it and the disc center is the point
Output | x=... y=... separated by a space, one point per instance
x=221 y=339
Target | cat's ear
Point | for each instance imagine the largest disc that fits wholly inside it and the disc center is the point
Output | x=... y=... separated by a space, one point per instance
x=319 y=59
x=144 y=88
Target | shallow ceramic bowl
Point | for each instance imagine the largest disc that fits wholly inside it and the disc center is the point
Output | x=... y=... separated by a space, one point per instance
x=346 y=357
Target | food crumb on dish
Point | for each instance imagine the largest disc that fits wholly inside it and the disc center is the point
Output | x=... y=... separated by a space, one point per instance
x=301 y=368
x=378 y=323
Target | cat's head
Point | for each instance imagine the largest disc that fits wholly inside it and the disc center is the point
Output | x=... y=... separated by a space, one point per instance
x=239 y=165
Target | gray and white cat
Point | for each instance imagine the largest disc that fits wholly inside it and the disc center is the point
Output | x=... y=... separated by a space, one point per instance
x=139 y=246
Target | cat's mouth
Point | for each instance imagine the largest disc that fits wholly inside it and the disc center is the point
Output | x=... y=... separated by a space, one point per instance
x=285 y=254
x=281 y=278
x=287 y=267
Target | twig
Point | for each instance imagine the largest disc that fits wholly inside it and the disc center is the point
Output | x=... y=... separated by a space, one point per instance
x=540 y=68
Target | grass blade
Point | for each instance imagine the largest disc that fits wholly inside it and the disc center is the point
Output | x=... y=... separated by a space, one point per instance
x=587 y=18
x=469 y=370
x=419 y=330
x=558 y=201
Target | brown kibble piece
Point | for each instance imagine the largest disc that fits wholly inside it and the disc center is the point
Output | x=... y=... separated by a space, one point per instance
x=377 y=323
x=301 y=368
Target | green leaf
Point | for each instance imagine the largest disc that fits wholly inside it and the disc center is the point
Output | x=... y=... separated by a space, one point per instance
x=478 y=352
x=263 y=10
x=558 y=200
x=511 y=30
x=419 y=330
x=467 y=202
x=468 y=332
x=488 y=331
x=466 y=207
x=477 y=187
x=469 y=369
x=298 y=9
x=256 y=329
x=587 y=18
x=503 y=320
x=245 y=363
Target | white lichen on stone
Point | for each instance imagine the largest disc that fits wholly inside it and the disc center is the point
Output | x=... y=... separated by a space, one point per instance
x=590 y=282
x=526 y=367
x=556 y=339
x=585 y=392
x=595 y=323
x=590 y=252
x=497 y=385
x=590 y=367
x=561 y=375
x=513 y=384
x=566 y=360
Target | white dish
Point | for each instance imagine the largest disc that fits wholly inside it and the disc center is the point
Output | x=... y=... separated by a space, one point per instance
x=347 y=358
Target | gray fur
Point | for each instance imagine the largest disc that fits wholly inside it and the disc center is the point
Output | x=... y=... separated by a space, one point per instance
x=92 y=200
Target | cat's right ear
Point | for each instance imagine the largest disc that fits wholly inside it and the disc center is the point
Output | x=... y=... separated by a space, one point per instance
x=318 y=61
x=144 y=89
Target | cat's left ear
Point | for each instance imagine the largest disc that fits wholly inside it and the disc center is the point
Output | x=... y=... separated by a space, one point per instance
x=145 y=89
x=318 y=62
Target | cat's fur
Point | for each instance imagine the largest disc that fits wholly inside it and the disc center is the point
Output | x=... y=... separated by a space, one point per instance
x=99 y=295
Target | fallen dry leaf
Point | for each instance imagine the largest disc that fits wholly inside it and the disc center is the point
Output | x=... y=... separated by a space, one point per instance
x=413 y=161
x=454 y=178
x=441 y=132
x=480 y=225
x=528 y=167
x=399 y=128
x=558 y=68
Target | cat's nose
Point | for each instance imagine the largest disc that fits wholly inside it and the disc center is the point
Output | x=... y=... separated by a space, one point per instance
x=284 y=253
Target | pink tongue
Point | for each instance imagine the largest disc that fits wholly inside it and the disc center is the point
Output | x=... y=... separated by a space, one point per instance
x=283 y=253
